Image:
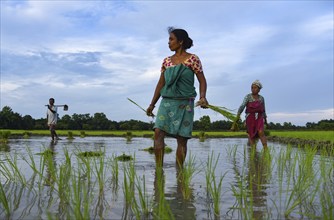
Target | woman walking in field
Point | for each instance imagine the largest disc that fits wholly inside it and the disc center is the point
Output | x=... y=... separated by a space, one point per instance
x=256 y=116
x=176 y=86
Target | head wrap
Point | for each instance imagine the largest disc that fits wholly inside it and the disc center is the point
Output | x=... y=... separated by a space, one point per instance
x=257 y=83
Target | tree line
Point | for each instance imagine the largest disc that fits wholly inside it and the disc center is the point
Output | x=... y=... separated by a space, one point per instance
x=99 y=121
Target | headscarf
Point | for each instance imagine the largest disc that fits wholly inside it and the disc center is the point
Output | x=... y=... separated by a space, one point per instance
x=257 y=83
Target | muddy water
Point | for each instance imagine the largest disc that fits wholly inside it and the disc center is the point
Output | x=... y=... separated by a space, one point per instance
x=252 y=187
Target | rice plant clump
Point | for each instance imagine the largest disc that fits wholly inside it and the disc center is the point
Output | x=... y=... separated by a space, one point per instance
x=124 y=157
x=151 y=149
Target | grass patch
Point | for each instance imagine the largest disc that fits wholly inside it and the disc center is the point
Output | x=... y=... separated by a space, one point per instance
x=124 y=157
x=91 y=154
x=151 y=149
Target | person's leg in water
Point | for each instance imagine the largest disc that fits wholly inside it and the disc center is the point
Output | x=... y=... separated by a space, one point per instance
x=251 y=141
x=263 y=139
x=52 y=131
x=159 y=146
x=54 y=135
x=181 y=151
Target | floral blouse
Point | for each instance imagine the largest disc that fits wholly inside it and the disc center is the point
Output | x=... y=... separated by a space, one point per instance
x=193 y=62
x=249 y=98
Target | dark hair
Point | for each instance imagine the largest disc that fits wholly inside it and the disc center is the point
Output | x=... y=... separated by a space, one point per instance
x=181 y=35
x=52 y=99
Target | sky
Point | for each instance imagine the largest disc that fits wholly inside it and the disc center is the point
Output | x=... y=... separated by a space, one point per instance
x=93 y=55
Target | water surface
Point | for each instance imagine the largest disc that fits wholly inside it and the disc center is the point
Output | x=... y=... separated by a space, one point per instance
x=255 y=184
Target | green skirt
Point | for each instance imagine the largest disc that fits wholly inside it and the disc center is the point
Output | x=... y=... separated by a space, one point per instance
x=175 y=117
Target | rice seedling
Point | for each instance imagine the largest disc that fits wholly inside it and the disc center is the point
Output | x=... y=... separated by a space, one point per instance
x=128 y=183
x=63 y=180
x=124 y=157
x=79 y=196
x=26 y=135
x=145 y=203
x=186 y=174
x=298 y=184
x=326 y=192
x=50 y=167
x=42 y=164
x=82 y=134
x=11 y=170
x=100 y=170
x=151 y=150
x=290 y=203
x=114 y=172
x=232 y=152
x=128 y=136
x=214 y=187
x=202 y=136
x=244 y=202
x=242 y=188
x=91 y=154
x=162 y=209
x=301 y=180
x=227 y=113
x=70 y=135
x=4 y=201
x=4 y=147
x=4 y=136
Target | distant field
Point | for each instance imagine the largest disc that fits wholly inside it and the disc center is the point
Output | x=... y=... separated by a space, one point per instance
x=308 y=135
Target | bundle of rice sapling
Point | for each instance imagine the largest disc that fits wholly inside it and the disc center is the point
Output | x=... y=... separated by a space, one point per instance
x=227 y=113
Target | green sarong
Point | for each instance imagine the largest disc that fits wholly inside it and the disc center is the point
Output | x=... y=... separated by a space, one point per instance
x=176 y=111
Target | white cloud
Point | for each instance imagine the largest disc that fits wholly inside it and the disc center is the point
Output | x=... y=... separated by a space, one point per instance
x=321 y=26
x=101 y=52
x=299 y=118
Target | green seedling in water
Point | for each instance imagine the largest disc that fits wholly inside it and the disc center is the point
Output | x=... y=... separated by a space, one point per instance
x=91 y=154
x=124 y=157
x=151 y=149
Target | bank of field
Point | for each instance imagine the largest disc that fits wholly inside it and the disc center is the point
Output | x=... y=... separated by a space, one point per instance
x=305 y=135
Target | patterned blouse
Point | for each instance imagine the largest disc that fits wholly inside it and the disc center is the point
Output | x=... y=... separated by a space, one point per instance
x=193 y=62
x=249 y=98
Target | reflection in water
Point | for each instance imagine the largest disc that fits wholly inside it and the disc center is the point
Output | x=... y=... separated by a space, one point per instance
x=4 y=147
x=161 y=209
x=258 y=172
x=249 y=189
x=172 y=205
x=186 y=208
x=251 y=184
x=50 y=163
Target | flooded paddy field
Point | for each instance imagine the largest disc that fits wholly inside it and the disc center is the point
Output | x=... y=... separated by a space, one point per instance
x=222 y=178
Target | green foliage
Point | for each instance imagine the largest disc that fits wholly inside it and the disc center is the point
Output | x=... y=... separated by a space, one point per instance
x=151 y=150
x=124 y=157
x=70 y=135
x=4 y=135
x=223 y=111
x=90 y=154
x=99 y=121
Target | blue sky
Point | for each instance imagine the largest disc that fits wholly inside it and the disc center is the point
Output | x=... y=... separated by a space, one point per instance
x=92 y=55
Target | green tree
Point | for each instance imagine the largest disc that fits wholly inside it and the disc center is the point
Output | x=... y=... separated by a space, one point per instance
x=9 y=119
x=326 y=124
x=100 y=121
x=204 y=123
x=221 y=125
x=79 y=120
x=28 y=122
